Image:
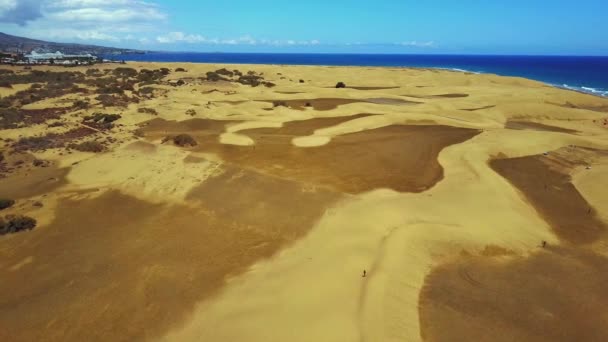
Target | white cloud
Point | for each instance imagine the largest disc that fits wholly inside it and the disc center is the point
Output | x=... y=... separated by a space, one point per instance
x=20 y=11
x=414 y=43
x=82 y=20
x=180 y=37
x=7 y=5
x=176 y=37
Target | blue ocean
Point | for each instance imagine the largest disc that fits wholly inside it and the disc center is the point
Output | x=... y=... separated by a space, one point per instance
x=587 y=74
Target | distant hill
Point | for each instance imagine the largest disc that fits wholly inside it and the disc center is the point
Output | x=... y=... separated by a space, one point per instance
x=9 y=43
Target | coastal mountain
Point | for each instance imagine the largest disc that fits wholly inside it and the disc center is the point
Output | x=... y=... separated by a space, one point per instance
x=10 y=43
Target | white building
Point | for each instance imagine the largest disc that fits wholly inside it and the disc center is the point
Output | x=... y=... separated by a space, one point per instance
x=59 y=58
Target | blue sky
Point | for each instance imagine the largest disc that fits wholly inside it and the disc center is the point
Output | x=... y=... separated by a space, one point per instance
x=353 y=26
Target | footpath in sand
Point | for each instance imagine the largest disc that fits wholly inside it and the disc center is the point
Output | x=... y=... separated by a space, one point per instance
x=473 y=203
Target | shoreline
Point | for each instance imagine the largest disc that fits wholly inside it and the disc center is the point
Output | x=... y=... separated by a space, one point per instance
x=576 y=71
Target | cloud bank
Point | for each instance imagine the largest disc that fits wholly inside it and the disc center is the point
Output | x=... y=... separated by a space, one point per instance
x=129 y=23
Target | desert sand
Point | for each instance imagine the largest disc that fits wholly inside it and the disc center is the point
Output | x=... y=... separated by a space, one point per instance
x=476 y=205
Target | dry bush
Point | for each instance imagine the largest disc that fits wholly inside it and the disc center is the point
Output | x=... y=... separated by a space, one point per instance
x=225 y=72
x=81 y=104
x=251 y=80
x=36 y=143
x=38 y=76
x=150 y=111
x=125 y=72
x=214 y=77
x=5 y=84
x=191 y=112
x=269 y=84
x=6 y=203
x=340 y=85
x=182 y=140
x=120 y=100
x=88 y=146
x=14 y=118
x=180 y=70
x=101 y=121
x=16 y=223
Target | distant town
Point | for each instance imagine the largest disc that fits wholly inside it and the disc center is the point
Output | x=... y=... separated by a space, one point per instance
x=49 y=58
x=25 y=51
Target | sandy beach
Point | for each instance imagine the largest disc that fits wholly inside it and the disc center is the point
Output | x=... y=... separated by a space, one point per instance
x=269 y=205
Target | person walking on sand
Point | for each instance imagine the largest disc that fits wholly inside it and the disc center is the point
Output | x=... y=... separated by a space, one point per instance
x=364 y=273
x=544 y=244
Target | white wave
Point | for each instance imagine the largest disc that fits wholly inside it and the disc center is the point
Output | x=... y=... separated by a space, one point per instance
x=460 y=70
x=588 y=90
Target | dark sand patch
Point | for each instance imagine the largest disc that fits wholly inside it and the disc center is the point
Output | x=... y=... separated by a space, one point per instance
x=401 y=157
x=116 y=268
x=289 y=92
x=142 y=147
x=557 y=294
x=440 y=96
x=535 y=126
x=160 y=128
x=546 y=183
x=602 y=108
x=390 y=101
x=479 y=108
x=333 y=103
x=373 y=88
x=29 y=180
x=193 y=159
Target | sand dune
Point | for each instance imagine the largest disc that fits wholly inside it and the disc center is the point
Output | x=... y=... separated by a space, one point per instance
x=441 y=186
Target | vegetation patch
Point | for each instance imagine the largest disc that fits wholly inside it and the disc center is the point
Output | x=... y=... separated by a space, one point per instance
x=182 y=140
x=88 y=146
x=101 y=120
x=6 y=203
x=12 y=224
x=11 y=118
x=50 y=141
x=150 y=111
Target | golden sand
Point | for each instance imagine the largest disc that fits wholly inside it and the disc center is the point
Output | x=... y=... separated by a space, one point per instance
x=441 y=185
